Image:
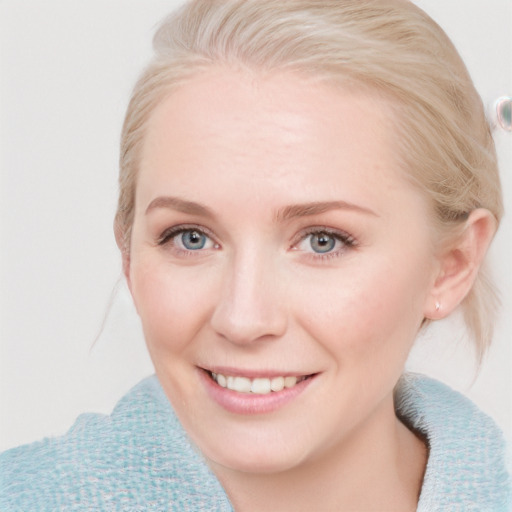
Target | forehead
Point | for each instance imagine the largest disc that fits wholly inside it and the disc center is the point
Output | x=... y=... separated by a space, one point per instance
x=267 y=132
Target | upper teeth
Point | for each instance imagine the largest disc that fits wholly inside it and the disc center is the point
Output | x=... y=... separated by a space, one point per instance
x=260 y=386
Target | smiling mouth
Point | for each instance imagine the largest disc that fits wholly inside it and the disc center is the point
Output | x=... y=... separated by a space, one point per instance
x=259 y=385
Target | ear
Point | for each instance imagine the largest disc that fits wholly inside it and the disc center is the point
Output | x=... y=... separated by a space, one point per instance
x=120 y=235
x=459 y=263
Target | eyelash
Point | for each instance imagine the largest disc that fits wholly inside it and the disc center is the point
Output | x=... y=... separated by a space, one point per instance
x=347 y=240
x=169 y=234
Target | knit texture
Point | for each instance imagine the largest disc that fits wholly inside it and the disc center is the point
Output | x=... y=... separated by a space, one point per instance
x=140 y=459
x=136 y=459
x=467 y=465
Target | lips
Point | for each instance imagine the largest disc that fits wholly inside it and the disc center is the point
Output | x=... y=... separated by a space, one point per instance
x=258 y=385
x=249 y=393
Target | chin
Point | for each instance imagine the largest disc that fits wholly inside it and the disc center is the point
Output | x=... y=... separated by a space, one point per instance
x=257 y=463
x=256 y=454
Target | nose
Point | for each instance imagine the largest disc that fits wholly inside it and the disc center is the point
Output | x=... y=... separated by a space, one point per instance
x=251 y=305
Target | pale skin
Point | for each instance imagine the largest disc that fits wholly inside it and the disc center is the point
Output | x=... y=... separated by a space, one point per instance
x=275 y=234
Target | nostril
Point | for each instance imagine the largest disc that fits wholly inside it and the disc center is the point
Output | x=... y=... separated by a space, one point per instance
x=249 y=306
x=241 y=324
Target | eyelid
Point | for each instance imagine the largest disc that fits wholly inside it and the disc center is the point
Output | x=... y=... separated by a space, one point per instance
x=340 y=234
x=173 y=231
x=347 y=241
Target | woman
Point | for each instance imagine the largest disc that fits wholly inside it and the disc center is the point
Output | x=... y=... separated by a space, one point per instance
x=304 y=186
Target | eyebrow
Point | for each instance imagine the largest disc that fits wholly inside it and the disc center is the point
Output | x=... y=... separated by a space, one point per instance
x=180 y=205
x=284 y=214
x=316 y=208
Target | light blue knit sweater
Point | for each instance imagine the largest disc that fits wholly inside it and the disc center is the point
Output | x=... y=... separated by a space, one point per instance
x=140 y=459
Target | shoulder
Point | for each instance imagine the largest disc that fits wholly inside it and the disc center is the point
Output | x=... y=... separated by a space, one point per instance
x=467 y=465
x=137 y=458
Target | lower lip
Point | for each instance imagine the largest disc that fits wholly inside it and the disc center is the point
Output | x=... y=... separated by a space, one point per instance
x=251 y=403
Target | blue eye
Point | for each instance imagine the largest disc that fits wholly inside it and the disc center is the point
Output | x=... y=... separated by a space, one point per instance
x=184 y=238
x=193 y=240
x=322 y=242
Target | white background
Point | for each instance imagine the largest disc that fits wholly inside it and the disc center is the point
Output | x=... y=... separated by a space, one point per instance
x=67 y=68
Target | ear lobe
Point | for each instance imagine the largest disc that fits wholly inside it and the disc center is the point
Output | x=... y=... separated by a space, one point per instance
x=459 y=264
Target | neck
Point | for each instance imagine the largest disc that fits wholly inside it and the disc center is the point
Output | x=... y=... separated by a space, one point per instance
x=379 y=467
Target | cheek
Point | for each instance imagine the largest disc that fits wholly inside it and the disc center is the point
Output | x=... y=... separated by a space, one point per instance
x=367 y=310
x=172 y=305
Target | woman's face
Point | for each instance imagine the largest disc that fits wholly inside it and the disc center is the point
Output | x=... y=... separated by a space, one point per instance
x=277 y=243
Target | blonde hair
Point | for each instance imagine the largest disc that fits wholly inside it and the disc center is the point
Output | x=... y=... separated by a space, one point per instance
x=390 y=46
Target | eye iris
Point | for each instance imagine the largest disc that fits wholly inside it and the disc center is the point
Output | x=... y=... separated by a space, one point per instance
x=193 y=240
x=322 y=242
